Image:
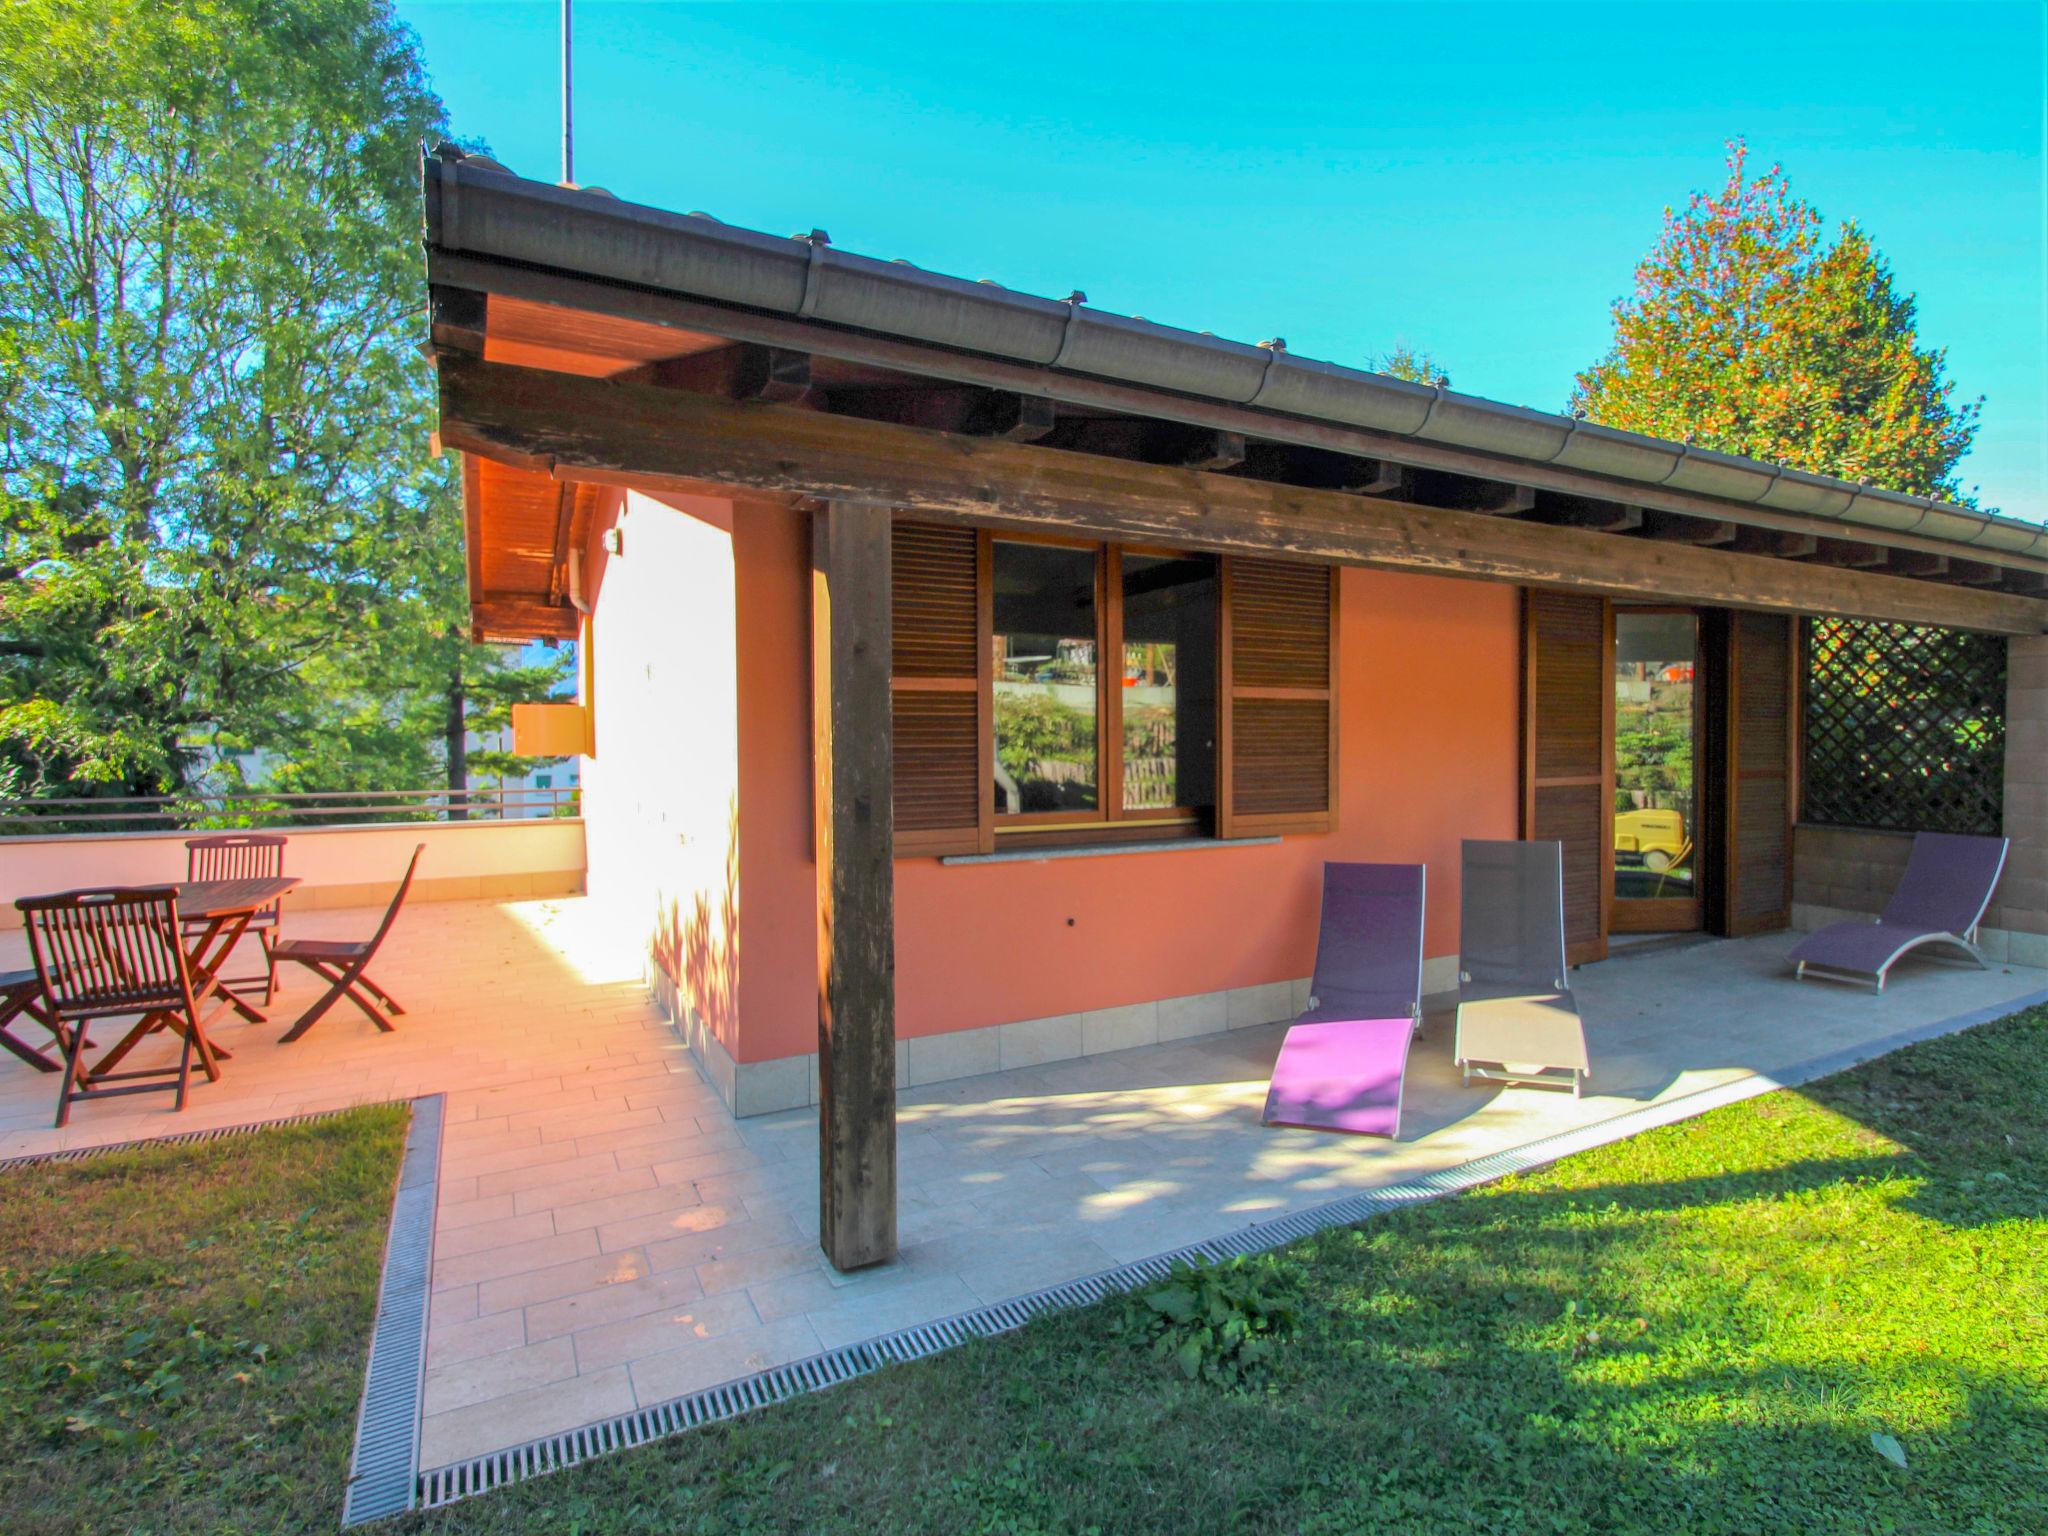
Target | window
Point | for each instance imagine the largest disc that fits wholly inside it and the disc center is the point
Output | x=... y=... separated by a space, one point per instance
x=1077 y=741
x=1051 y=690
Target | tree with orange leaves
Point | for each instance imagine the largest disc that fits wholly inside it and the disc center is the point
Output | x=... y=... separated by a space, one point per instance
x=1752 y=333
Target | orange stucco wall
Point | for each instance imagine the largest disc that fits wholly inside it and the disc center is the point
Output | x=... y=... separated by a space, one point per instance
x=1428 y=716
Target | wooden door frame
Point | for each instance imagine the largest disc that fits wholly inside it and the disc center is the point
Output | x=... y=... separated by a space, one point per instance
x=1671 y=914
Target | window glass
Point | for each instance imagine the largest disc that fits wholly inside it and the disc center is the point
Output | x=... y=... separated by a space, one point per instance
x=1045 y=679
x=1655 y=731
x=1169 y=681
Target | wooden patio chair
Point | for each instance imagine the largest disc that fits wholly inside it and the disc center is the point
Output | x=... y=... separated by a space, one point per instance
x=104 y=953
x=21 y=997
x=343 y=964
x=243 y=856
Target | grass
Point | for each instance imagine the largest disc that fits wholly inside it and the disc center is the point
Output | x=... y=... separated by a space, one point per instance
x=1700 y=1330
x=1710 y=1328
x=185 y=1328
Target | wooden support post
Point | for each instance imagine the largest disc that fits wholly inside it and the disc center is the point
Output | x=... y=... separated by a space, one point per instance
x=854 y=836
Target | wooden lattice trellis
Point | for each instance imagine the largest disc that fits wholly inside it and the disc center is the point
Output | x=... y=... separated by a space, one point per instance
x=1905 y=727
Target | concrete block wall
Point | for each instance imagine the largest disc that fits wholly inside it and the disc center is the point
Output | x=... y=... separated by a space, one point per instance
x=2021 y=905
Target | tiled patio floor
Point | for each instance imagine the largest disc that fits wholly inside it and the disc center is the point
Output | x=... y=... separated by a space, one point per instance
x=609 y=1237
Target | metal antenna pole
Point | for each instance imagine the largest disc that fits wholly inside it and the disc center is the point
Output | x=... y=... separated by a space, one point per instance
x=568 y=132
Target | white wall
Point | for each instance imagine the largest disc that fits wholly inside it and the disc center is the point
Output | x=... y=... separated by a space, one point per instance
x=336 y=866
x=661 y=791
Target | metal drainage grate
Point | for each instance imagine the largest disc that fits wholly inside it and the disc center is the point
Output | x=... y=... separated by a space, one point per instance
x=553 y=1453
x=184 y=1138
x=384 y=1474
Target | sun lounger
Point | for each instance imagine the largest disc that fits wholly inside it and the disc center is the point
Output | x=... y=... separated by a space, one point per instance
x=1341 y=1065
x=1517 y=1020
x=1940 y=900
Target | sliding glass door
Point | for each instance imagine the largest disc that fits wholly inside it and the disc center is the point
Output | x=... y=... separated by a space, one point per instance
x=1656 y=757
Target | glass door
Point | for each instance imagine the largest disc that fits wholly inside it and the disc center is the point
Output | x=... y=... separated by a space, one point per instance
x=1656 y=752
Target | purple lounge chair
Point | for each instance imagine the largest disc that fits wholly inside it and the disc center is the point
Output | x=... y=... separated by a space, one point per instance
x=1341 y=1065
x=1940 y=900
x=1517 y=1019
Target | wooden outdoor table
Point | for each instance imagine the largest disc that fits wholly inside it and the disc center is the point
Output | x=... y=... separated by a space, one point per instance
x=226 y=907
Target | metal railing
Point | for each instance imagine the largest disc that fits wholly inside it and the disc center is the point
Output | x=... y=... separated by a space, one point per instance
x=202 y=811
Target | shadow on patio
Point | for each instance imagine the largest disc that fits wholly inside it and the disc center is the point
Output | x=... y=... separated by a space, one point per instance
x=609 y=1237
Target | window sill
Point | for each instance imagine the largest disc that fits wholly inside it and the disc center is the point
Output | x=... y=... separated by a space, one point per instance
x=1104 y=850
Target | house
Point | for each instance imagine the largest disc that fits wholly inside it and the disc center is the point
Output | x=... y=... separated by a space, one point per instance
x=962 y=668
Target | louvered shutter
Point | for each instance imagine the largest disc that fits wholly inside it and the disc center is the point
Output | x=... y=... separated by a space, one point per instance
x=1759 y=773
x=1278 y=744
x=1567 y=793
x=938 y=695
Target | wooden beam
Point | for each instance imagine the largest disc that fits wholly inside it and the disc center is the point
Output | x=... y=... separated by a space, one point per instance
x=1769 y=541
x=1501 y=500
x=1680 y=529
x=1974 y=573
x=1913 y=562
x=1217 y=450
x=853 y=830
x=773 y=375
x=1600 y=516
x=698 y=316
x=635 y=434
x=1385 y=479
x=1014 y=418
x=520 y=616
x=558 y=559
x=459 y=319
x=1849 y=554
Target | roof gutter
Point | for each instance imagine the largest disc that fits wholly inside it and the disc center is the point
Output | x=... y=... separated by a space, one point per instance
x=474 y=205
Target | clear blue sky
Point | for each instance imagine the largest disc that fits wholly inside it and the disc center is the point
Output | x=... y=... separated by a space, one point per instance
x=1477 y=180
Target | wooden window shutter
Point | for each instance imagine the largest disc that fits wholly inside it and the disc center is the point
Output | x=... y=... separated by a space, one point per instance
x=1567 y=780
x=1277 y=747
x=939 y=690
x=1758 y=845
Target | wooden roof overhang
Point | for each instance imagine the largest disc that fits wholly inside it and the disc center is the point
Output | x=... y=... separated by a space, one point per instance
x=554 y=385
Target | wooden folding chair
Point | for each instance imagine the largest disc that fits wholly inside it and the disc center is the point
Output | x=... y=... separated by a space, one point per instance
x=115 y=952
x=242 y=856
x=21 y=996
x=342 y=963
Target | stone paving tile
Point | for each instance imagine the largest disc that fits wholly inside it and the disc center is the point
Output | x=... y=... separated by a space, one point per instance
x=573 y=1112
x=501 y=1421
x=635 y=1297
x=506 y=1371
x=739 y=1353
x=673 y=1327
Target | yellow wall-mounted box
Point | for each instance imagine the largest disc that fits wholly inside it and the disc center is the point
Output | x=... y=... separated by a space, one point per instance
x=550 y=730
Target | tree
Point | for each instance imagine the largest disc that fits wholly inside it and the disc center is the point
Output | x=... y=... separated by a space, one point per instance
x=1412 y=364
x=220 y=526
x=1752 y=333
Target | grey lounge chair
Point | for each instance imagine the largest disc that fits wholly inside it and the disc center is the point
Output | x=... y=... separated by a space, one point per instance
x=1343 y=1064
x=1517 y=1020
x=1940 y=900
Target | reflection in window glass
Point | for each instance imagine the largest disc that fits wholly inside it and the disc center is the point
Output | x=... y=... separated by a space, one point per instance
x=1169 y=681
x=1044 y=678
x=1654 y=733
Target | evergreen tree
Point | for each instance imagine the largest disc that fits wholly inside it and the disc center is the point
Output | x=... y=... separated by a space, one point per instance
x=1751 y=332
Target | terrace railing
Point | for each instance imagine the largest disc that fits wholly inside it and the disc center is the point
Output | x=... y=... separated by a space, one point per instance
x=197 y=811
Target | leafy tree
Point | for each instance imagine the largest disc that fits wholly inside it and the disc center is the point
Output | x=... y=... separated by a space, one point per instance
x=1753 y=333
x=220 y=526
x=1414 y=365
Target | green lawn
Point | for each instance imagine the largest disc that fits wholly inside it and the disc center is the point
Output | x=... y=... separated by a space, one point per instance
x=1699 y=1330
x=185 y=1329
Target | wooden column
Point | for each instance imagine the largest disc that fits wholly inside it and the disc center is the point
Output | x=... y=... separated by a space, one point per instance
x=853 y=821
